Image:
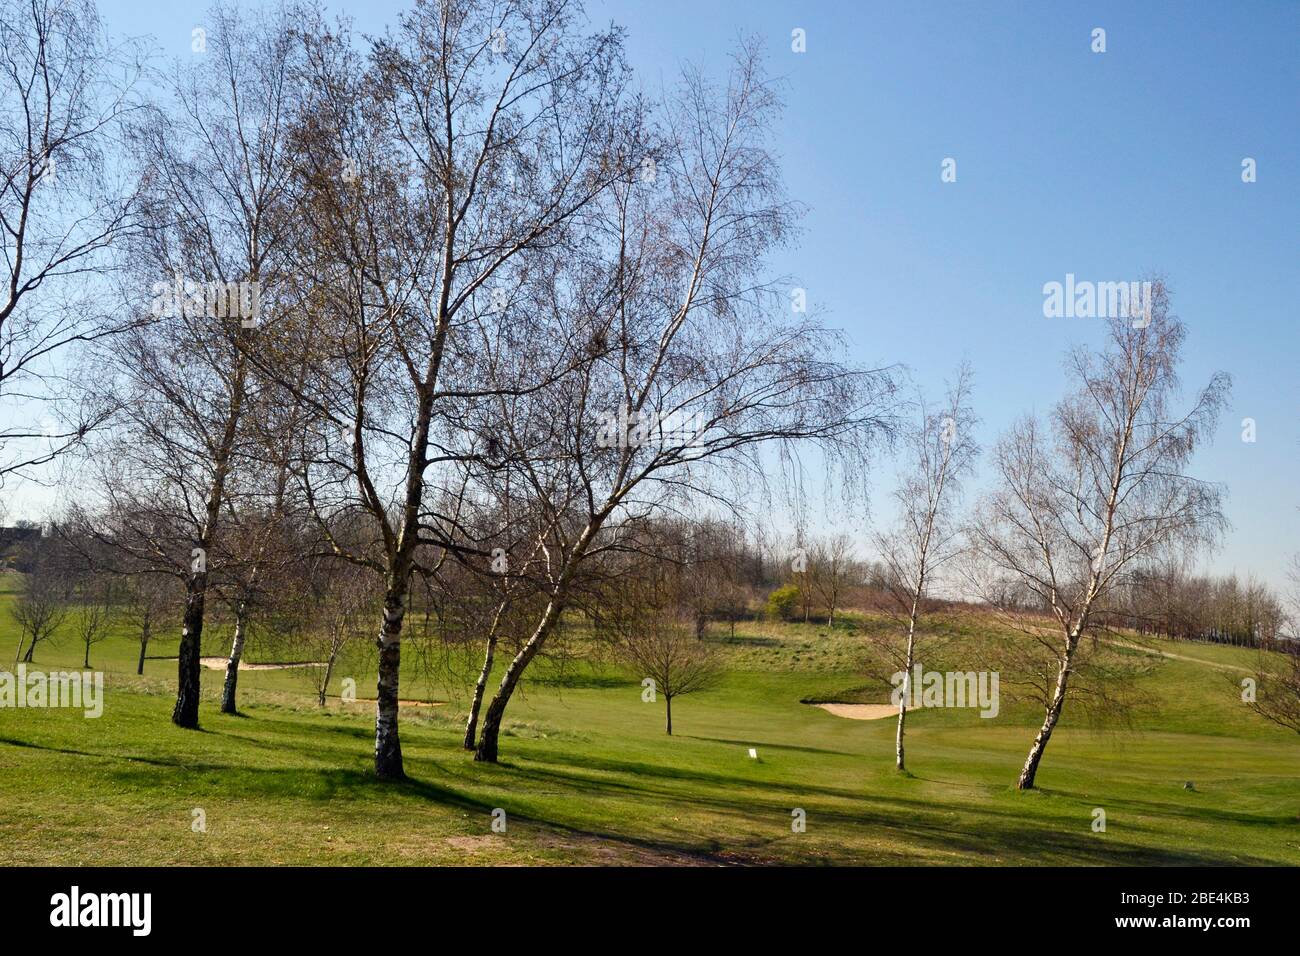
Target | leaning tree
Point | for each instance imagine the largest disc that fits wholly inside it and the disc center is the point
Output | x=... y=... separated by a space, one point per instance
x=1100 y=492
x=687 y=380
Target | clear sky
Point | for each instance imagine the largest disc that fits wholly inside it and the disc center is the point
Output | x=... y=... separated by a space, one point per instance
x=1106 y=165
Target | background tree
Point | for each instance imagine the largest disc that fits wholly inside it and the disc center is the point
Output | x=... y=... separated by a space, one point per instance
x=336 y=612
x=1277 y=692
x=1277 y=688
x=833 y=569
x=93 y=611
x=940 y=452
x=149 y=599
x=261 y=536
x=42 y=606
x=663 y=646
x=1080 y=510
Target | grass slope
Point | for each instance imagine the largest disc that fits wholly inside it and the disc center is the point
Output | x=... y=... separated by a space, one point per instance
x=588 y=776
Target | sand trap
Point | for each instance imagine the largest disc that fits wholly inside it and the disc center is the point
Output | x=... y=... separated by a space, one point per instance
x=219 y=664
x=860 y=711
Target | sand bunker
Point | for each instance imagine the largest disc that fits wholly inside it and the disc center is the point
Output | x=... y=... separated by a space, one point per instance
x=860 y=711
x=219 y=664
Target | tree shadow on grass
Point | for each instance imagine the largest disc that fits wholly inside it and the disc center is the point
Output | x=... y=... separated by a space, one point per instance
x=174 y=763
x=767 y=745
x=923 y=832
x=1205 y=814
x=982 y=835
x=300 y=728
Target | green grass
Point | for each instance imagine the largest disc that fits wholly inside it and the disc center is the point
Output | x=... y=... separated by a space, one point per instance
x=588 y=776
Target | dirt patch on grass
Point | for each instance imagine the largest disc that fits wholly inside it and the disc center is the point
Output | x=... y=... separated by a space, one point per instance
x=472 y=844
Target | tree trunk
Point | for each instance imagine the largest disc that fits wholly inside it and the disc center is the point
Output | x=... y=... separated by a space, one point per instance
x=188 y=684
x=86 y=661
x=232 y=664
x=907 y=690
x=388 y=746
x=144 y=643
x=471 y=725
x=186 y=711
x=487 y=741
x=668 y=701
x=1026 y=781
x=325 y=682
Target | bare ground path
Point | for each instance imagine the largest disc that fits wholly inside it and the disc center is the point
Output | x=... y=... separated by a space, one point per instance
x=1179 y=657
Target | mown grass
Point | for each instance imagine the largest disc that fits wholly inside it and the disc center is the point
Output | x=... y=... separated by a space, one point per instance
x=588 y=776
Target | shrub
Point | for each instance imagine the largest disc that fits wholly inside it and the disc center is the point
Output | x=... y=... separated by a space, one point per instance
x=782 y=602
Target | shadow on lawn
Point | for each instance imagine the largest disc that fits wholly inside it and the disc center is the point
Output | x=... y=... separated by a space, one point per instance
x=979 y=835
x=764 y=745
x=750 y=816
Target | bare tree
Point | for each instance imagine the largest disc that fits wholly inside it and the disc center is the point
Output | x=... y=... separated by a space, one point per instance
x=218 y=210
x=253 y=539
x=504 y=616
x=260 y=538
x=940 y=452
x=663 y=647
x=690 y=369
x=473 y=139
x=1080 y=510
x=1277 y=692
x=66 y=91
x=832 y=567
x=42 y=607
x=341 y=600
x=93 y=611
x=149 y=600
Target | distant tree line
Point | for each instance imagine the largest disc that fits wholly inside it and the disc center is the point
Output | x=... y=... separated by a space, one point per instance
x=1217 y=609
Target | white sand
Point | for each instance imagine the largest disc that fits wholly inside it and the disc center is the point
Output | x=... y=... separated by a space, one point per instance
x=219 y=664
x=860 y=711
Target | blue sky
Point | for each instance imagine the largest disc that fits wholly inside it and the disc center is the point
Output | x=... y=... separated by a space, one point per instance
x=1107 y=165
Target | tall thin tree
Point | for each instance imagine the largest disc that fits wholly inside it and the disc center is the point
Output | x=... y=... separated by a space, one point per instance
x=940 y=452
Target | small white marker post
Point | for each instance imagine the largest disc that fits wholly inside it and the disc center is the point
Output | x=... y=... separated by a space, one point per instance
x=753 y=753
